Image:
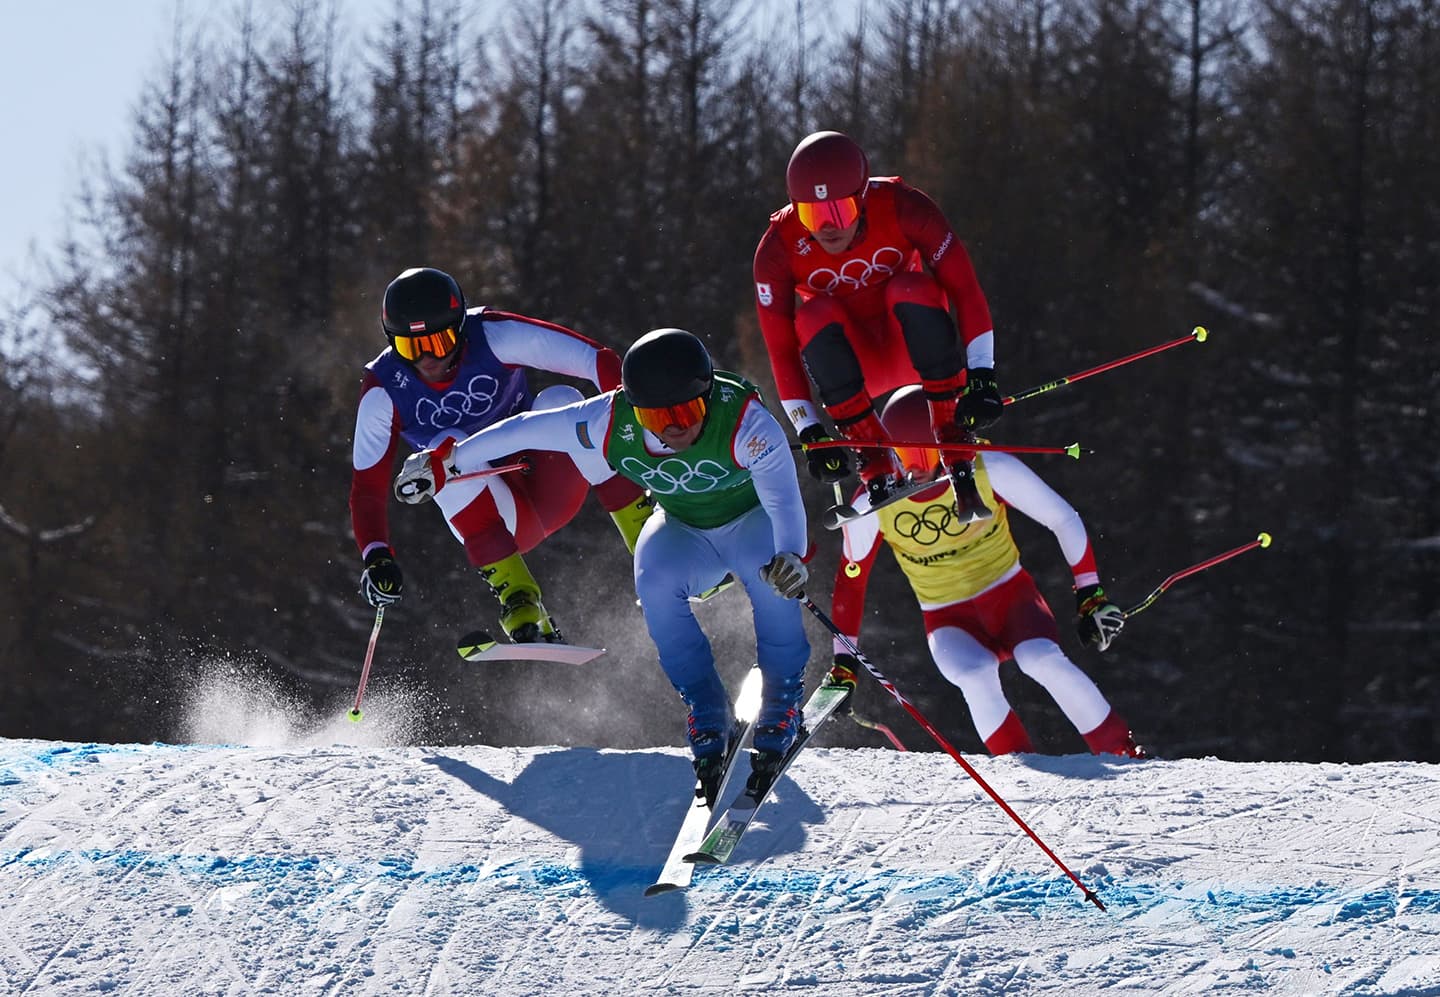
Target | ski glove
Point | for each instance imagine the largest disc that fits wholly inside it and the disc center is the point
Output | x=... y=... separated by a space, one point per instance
x=981 y=403
x=381 y=582
x=786 y=574
x=1100 y=620
x=829 y=465
x=425 y=472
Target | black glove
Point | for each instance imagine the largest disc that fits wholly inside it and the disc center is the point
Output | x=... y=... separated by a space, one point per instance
x=981 y=403
x=828 y=465
x=381 y=581
x=1099 y=620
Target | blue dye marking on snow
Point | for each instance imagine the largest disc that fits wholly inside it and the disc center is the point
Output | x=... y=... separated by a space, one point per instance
x=926 y=896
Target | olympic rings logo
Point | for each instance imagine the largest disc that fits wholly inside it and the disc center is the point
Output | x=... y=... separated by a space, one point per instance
x=673 y=475
x=459 y=406
x=857 y=273
x=928 y=527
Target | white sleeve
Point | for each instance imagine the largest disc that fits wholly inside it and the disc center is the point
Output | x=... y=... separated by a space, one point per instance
x=374 y=424
x=859 y=536
x=521 y=343
x=981 y=351
x=760 y=446
x=1024 y=490
x=577 y=430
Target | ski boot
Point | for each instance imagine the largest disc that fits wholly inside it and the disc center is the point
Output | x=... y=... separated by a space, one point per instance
x=969 y=506
x=522 y=614
x=882 y=474
x=764 y=770
x=709 y=767
x=1113 y=737
x=525 y=621
x=842 y=675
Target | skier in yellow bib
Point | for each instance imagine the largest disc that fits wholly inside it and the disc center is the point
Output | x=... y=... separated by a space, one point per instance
x=980 y=605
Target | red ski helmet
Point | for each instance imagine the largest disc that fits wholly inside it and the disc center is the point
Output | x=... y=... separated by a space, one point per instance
x=826 y=166
x=907 y=417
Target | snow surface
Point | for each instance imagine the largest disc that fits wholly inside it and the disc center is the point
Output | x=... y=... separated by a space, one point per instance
x=296 y=864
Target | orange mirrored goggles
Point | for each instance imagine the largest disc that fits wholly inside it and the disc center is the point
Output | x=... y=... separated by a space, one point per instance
x=919 y=461
x=438 y=344
x=840 y=212
x=681 y=416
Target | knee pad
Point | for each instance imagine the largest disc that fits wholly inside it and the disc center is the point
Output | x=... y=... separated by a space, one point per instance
x=931 y=339
x=556 y=396
x=831 y=363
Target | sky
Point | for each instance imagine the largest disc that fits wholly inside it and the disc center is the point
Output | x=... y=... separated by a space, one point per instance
x=71 y=78
x=71 y=81
x=291 y=855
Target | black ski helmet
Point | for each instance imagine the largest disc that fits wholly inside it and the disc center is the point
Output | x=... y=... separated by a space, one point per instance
x=666 y=367
x=422 y=300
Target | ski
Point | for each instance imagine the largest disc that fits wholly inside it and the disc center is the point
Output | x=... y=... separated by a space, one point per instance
x=480 y=646
x=720 y=843
x=841 y=513
x=677 y=871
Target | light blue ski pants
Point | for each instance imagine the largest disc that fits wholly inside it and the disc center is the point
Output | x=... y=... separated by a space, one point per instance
x=674 y=561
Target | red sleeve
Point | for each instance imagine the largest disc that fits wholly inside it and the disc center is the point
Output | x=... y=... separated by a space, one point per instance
x=775 y=306
x=607 y=369
x=925 y=225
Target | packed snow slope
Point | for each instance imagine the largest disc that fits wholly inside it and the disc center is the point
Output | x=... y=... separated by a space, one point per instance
x=369 y=869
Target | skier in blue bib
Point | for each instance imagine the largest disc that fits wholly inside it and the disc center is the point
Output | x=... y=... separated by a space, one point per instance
x=718 y=468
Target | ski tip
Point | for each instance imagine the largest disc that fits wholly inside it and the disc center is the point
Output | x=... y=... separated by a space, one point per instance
x=1264 y=540
x=655 y=889
x=1200 y=333
x=702 y=858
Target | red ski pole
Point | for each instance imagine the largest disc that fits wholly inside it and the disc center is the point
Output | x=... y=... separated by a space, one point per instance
x=1197 y=335
x=1263 y=540
x=1073 y=450
x=949 y=748
x=355 y=713
x=520 y=465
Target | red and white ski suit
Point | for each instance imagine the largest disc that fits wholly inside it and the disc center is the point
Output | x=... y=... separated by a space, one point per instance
x=979 y=605
x=497 y=515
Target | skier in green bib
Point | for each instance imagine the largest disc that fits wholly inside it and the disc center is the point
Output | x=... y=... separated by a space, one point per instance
x=718 y=467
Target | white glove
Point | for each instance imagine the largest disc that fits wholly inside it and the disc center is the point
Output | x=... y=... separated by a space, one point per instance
x=786 y=574
x=425 y=472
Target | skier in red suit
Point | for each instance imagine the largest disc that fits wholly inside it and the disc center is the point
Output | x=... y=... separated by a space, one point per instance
x=854 y=283
x=448 y=371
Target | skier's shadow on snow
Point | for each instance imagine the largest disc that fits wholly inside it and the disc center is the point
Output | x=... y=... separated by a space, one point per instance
x=622 y=810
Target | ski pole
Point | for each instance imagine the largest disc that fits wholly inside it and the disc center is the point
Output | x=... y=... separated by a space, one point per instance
x=355 y=713
x=1073 y=450
x=876 y=725
x=520 y=465
x=1197 y=335
x=1263 y=540
x=949 y=748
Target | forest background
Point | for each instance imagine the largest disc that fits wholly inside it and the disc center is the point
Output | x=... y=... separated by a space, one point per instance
x=177 y=401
